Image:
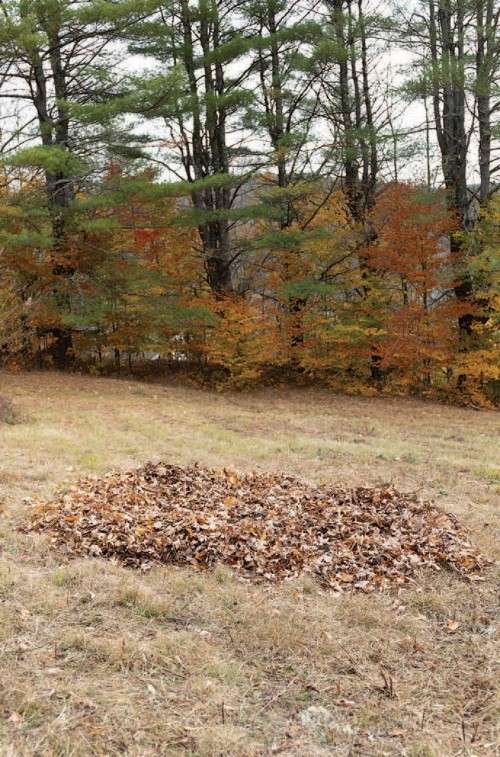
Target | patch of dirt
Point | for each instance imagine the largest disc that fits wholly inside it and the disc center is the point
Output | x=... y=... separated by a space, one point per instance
x=265 y=526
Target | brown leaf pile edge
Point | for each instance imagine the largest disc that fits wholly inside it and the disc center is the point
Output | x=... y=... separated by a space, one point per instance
x=267 y=527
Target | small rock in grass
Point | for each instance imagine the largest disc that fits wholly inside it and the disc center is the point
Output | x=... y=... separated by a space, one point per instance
x=316 y=718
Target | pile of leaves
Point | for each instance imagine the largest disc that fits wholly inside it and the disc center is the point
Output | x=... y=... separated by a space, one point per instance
x=265 y=526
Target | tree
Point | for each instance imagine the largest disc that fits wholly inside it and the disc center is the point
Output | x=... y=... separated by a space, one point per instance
x=412 y=259
x=480 y=363
x=351 y=109
x=197 y=97
x=458 y=62
x=52 y=60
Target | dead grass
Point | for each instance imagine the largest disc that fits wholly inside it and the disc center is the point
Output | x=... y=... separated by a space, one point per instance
x=98 y=659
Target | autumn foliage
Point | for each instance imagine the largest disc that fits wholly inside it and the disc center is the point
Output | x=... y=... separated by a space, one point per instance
x=313 y=301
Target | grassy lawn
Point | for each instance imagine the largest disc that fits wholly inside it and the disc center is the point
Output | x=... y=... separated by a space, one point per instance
x=99 y=659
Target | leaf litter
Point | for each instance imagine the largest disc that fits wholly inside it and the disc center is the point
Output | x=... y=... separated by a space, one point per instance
x=266 y=526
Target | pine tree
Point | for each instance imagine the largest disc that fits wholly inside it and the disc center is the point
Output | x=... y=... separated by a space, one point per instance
x=195 y=98
x=53 y=61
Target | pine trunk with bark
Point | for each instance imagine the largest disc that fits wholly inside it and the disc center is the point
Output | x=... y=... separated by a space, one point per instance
x=207 y=147
x=54 y=132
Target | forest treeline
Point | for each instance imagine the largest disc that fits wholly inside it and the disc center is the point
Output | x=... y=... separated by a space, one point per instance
x=253 y=190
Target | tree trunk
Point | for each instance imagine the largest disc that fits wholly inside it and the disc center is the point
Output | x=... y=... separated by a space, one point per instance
x=59 y=187
x=208 y=145
x=486 y=24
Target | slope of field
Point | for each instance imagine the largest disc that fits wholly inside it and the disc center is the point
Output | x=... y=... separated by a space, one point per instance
x=99 y=659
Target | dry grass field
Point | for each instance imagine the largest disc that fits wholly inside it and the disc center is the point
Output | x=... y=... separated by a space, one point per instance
x=96 y=659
